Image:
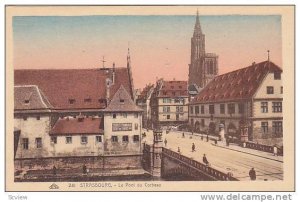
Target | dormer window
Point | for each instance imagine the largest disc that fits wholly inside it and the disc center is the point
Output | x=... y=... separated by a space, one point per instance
x=277 y=75
x=122 y=101
x=101 y=100
x=26 y=101
x=71 y=101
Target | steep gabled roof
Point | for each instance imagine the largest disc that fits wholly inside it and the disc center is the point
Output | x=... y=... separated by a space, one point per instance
x=85 y=87
x=122 y=102
x=145 y=92
x=236 y=85
x=30 y=97
x=75 y=126
x=173 y=89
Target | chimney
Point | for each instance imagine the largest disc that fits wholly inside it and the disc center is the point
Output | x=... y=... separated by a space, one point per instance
x=113 y=74
x=108 y=82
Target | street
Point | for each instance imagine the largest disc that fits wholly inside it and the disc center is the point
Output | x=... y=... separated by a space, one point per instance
x=221 y=158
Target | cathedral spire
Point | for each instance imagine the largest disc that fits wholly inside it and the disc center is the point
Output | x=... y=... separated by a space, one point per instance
x=197 y=29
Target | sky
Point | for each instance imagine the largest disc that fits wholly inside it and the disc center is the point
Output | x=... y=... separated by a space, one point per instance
x=160 y=45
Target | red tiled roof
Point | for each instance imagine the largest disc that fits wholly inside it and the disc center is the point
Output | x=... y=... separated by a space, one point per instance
x=85 y=86
x=173 y=89
x=236 y=85
x=145 y=91
x=30 y=98
x=73 y=126
x=122 y=102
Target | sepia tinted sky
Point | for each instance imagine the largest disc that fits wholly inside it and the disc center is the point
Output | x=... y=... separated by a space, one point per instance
x=159 y=45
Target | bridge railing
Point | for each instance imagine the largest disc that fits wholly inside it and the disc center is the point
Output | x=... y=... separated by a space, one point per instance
x=218 y=175
x=265 y=148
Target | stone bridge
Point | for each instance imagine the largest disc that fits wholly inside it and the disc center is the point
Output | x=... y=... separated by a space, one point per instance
x=175 y=166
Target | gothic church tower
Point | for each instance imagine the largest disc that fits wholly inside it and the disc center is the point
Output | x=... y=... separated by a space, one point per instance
x=204 y=66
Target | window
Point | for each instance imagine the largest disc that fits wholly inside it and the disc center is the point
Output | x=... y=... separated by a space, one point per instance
x=270 y=90
x=231 y=108
x=114 y=116
x=122 y=127
x=98 y=138
x=124 y=115
x=173 y=93
x=202 y=109
x=196 y=109
x=179 y=109
x=166 y=109
x=25 y=143
x=38 y=142
x=54 y=139
x=277 y=127
x=38 y=118
x=84 y=139
x=25 y=118
x=71 y=101
x=177 y=117
x=114 y=138
x=241 y=108
x=192 y=109
x=277 y=75
x=168 y=116
x=26 y=101
x=211 y=109
x=122 y=101
x=136 y=115
x=222 y=108
x=136 y=126
x=136 y=138
x=281 y=90
x=68 y=140
x=264 y=107
x=125 y=138
x=264 y=127
x=277 y=107
x=202 y=122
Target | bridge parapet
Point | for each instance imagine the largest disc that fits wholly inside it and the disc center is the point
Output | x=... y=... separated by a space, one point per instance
x=191 y=167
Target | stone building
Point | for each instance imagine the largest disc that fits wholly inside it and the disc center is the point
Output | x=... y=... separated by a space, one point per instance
x=204 y=66
x=63 y=114
x=143 y=101
x=248 y=99
x=169 y=103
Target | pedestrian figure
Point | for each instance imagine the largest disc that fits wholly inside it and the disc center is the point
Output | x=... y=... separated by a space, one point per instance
x=54 y=170
x=84 y=169
x=182 y=135
x=201 y=137
x=216 y=141
x=165 y=142
x=207 y=138
x=275 y=150
x=178 y=150
x=252 y=174
x=193 y=147
x=205 y=160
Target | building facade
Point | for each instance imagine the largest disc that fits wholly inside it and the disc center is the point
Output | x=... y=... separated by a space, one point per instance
x=247 y=103
x=61 y=115
x=204 y=66
x=169 y=103
x=143 y=101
